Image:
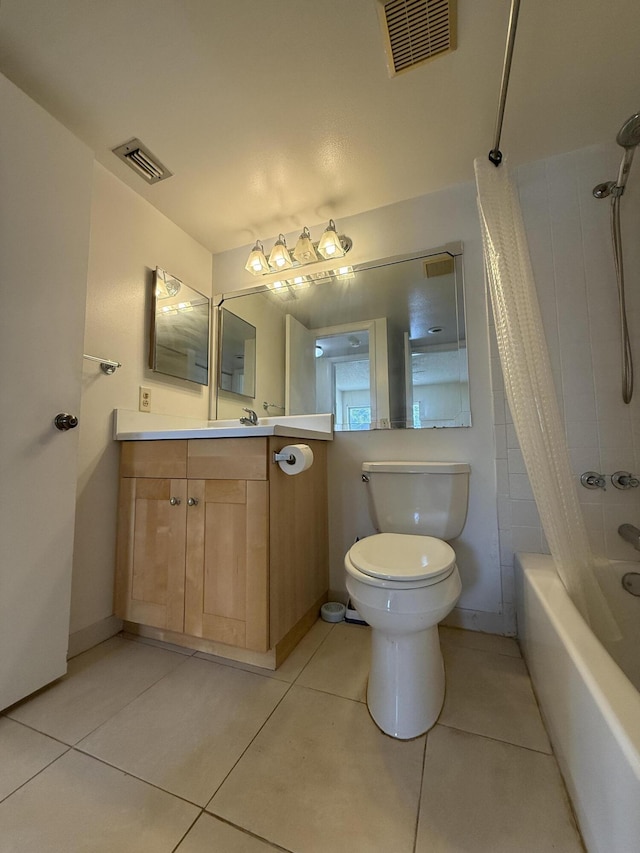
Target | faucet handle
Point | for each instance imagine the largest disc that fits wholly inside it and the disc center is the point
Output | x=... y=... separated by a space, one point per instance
x=624 y=480
x=593 y=480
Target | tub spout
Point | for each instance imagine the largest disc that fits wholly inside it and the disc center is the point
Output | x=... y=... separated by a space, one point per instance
x=630 y=534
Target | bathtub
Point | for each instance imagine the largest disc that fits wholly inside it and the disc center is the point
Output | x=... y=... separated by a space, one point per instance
x=590 y=707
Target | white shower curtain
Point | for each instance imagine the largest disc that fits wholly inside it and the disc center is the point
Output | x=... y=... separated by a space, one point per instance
x=531 y=395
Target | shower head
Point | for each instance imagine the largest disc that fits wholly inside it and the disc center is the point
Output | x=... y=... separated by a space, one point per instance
x=628 y=137
x=629 y=134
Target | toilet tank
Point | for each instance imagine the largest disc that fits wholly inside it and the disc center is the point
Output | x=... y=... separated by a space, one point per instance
x=425 y=498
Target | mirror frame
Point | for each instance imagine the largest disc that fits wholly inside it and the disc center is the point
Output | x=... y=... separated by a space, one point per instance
x=221 y=326
x=153 y=332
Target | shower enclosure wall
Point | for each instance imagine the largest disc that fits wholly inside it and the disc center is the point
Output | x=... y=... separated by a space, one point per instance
x=569 y=242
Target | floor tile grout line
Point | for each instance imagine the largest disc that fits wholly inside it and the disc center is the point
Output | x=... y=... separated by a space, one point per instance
x=60 y=680
x=322 y=642
x=498 y=740
x=137 y=778
x=195 y=820
x=286 y=693
x=424 y=765
x=38 y=732
x=31 y=778
x=274 y=845
x=242 y=754
x=134 y=699
x=329 y=693
x=450 y=645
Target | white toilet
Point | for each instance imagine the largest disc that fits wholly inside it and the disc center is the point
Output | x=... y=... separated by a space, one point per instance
x=403 y=581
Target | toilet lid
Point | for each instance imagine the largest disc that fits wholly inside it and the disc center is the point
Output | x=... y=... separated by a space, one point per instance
x=402 y=556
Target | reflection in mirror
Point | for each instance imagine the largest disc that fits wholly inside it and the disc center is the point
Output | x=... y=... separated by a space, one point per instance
x=179 y=343
x=382 y=345
x=237 y=359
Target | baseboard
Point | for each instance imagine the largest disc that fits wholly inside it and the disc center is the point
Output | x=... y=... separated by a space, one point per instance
x=86 y=638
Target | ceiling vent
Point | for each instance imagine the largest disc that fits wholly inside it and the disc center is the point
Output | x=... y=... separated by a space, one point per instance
x=438 y=265
x=142 y=161
x=417 y=31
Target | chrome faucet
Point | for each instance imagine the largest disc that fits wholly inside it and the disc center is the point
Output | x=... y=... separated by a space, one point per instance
x=252 y=420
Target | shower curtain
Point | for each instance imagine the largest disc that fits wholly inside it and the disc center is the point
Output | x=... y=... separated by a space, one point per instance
x=531 y=395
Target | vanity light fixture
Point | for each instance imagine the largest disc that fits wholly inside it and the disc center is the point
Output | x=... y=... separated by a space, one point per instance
x=257 y=262
x=306 y=252
x=330 y=246
x=319 y=351
x=280 y=259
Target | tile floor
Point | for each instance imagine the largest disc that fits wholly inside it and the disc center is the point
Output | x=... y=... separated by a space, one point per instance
x=148 y=749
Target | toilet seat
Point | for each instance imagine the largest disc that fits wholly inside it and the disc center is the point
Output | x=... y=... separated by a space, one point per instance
x=402 y=558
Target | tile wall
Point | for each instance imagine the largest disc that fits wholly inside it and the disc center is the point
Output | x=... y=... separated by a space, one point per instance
x=570 y=245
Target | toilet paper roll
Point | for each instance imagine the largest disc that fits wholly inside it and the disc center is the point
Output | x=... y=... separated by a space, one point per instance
x=300 y=458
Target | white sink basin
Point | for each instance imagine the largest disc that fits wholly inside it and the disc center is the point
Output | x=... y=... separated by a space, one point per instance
x=129 y=425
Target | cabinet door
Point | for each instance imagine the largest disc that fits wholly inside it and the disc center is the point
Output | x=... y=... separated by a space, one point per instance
x=226 y=595
x=151 y=552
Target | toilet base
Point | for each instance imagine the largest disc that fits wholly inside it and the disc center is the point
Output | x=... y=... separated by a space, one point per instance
x=406 y=682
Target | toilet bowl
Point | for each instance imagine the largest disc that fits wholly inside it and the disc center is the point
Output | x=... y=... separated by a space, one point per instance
x=403 y=581
x=403 y=585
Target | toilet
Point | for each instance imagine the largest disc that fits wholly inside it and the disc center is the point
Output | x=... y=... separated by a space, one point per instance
x=403 y=581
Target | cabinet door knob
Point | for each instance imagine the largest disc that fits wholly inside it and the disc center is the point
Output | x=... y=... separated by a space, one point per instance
x=174 y=501
x=193 y=501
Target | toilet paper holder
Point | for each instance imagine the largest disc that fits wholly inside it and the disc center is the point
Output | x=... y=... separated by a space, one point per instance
x=279 y=456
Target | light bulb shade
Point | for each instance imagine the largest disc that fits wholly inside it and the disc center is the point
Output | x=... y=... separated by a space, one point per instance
x=257 y=263
x=304 y=251
x=330 y=245
x=280 y=259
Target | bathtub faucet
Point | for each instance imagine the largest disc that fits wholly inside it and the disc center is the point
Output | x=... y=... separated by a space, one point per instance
x=630 y=534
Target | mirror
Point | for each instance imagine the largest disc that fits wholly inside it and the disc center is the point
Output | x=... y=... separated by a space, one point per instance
x=381 y=345
x=179 y=343
x=237 y=355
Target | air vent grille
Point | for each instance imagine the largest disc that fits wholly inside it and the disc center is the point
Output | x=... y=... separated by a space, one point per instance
x=438 y=265
x=418 y=30
x=142 y=161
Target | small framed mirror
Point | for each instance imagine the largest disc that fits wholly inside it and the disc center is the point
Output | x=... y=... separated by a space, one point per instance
x=237 y=356
x=179 y=343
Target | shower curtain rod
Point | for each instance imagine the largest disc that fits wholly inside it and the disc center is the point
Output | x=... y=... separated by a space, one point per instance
x=495 y=155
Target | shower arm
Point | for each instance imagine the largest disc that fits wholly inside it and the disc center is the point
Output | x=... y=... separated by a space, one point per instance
x=495 y=155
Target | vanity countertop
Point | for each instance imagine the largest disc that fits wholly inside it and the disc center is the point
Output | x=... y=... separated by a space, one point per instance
x=129 y=425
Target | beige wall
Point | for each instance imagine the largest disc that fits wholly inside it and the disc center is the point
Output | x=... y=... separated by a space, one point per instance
x=129 y=238
x=423 y=223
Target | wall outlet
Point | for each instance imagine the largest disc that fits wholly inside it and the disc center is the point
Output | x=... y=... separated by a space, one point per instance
x=144 y=400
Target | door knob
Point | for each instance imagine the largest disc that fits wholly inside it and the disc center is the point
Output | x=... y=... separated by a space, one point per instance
x=174 y=501
x=193 y=501
x=65 y=421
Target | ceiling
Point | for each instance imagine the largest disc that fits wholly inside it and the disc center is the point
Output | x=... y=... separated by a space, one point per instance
x=273 y=114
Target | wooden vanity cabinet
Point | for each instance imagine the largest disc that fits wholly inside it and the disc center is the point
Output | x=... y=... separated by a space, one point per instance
x=216 y=542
